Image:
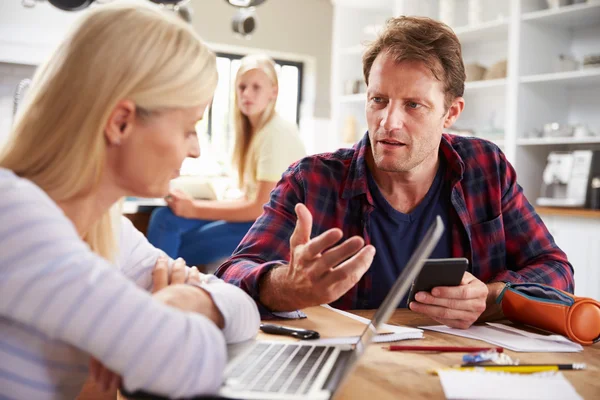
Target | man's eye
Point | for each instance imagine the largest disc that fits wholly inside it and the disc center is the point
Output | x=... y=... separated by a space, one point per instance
x=377 y=100
x=413 y=105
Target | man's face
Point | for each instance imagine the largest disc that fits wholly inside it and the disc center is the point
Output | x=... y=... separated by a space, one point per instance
x=405 y=114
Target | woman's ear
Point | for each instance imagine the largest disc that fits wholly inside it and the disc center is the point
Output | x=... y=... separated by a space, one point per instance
x=120 y=122
x=275 y=92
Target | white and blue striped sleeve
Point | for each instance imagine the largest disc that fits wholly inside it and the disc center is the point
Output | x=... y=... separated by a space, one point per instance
x=52 y=282
x=137 y=260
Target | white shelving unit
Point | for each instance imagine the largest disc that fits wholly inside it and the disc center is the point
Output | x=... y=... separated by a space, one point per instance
x=508 y=111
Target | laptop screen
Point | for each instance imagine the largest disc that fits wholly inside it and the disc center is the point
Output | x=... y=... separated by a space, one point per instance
x=403 y=283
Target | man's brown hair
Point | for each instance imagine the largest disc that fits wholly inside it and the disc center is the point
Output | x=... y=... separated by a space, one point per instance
x=425 y=40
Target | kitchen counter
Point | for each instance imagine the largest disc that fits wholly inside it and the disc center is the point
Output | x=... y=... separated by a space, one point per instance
x=569 y=212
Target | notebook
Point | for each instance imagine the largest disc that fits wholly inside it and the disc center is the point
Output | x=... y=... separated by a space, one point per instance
x=486 y=385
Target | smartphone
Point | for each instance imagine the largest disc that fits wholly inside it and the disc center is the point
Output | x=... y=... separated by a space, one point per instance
x=438 y=272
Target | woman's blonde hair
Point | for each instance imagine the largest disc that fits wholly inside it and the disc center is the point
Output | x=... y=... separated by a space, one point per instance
x=244 y=133
x=115 y=52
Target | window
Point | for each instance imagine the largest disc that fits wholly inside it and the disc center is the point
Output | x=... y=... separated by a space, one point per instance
x=215 y=131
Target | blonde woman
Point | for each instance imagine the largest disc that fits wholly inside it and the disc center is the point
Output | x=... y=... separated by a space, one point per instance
x=112 y=113
x=204 y=232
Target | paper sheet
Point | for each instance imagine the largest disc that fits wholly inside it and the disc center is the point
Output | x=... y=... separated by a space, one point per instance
x=485 y=385
x=393 y=332
x=512 y=338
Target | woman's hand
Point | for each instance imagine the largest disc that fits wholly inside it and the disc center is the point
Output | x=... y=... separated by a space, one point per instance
x=174 y=290
x=180 y=203
x=180 y=273
x=109 y=381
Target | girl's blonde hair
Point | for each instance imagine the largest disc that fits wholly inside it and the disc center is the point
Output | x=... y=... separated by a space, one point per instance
x=115 y=52
x=244 y=134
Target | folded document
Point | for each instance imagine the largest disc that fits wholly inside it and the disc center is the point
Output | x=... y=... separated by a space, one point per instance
x=512 y=338
x=391 y=333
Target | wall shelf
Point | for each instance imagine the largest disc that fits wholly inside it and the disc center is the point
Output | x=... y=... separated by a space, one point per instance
x=486 y=31
x=575 y=15
x=580 y=78
x=483 y=85
x=557 y=140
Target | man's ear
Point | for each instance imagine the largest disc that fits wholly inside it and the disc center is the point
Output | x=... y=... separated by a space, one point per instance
x=454 y=111
x=120 y=122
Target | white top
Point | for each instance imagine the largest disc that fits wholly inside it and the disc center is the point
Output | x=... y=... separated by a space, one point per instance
x=276 y=146
x=60 y=302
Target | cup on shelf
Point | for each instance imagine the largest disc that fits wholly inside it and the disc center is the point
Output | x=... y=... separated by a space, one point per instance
x=581 y=131
x=565 y=63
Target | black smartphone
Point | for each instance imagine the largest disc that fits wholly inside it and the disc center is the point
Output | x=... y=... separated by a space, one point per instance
x=438 y=272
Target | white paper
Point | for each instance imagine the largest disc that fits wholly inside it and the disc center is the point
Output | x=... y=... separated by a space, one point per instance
x=512 y=338
x=398 y=332
x=486 y=385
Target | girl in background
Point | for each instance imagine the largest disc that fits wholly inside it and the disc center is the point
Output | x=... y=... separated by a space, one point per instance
x=111 y=114
x=205 y=232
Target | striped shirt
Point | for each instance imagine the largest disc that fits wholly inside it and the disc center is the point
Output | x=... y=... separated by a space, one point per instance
x=61 y=303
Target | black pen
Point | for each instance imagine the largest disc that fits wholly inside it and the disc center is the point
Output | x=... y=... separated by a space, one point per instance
x=289 y=331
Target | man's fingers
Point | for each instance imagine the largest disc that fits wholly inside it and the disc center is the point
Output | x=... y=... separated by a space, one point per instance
x=442 y=313
x=475 y=305
x=301 y=234
x=178 y=272
x=350 y=271
x=319 y=244
x=472 y=290
x=160 y=274
x=338 y=254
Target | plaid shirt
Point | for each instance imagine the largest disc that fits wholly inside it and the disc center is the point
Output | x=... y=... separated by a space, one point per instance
x=492 y=223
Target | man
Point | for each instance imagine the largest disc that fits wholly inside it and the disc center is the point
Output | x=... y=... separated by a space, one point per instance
x=386 y=191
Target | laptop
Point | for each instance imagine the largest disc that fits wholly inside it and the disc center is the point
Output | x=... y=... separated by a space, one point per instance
x=281 y=370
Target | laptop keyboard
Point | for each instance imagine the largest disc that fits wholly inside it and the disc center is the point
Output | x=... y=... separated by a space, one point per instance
x=279 y=368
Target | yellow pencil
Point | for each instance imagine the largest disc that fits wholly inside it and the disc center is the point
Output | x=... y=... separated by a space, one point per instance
x=520 y=369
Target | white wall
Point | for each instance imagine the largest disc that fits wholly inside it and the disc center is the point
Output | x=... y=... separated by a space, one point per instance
x=284 y=26
x=10 y=76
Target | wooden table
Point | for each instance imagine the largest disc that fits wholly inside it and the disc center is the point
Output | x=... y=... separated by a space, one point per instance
x=382 y=374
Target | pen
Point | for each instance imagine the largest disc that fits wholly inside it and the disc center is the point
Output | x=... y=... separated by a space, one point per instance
x=444 y=349
x=521 y=369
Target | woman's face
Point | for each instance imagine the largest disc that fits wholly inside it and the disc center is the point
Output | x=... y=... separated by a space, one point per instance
x=254 y=92
x=150 y=156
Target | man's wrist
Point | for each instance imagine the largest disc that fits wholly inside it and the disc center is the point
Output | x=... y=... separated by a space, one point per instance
x=493 y=310
x=272 y=287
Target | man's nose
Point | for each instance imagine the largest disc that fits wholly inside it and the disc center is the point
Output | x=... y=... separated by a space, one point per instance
x=393 y=117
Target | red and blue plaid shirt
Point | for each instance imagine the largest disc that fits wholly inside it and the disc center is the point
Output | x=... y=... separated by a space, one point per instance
x=492 y=223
